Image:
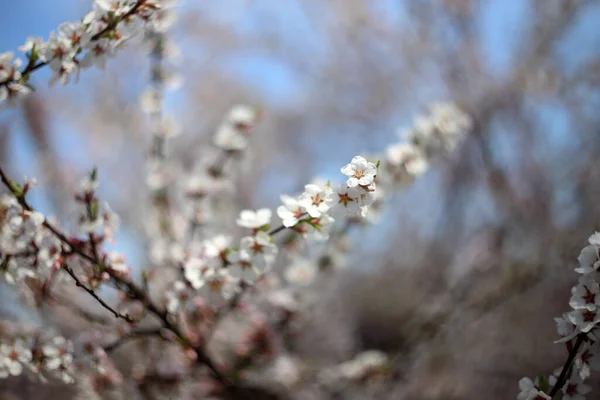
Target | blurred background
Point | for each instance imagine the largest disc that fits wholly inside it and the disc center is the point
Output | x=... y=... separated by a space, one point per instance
x=467 y=267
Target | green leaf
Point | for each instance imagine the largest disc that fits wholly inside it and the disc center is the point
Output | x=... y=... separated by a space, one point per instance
x=15 y=188
x=94 y=210
x=265 y=228
x=94 y=173
x=543 y=383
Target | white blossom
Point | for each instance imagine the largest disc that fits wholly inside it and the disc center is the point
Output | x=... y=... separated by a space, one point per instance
x=13 y=357
x=194 y=271
x=588 y=259
x=242 y=268
x=301 y=272
x=217 y=246
x=585 y=294
x=177 y=295
x=529 y=391
x=220 y=286
x=575 y=389
x=254 y=219
x=233 y=132
x=346 y=200
x=360 y=172
x=98 y=53
x=291 y=211
x=259 y=250
x=584 y=319
x=58 y=353
x=316 y=200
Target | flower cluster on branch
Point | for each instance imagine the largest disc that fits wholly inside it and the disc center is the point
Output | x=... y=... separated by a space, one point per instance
x=204 y=273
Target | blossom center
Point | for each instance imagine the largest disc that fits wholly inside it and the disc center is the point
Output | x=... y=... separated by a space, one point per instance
x=257 y=247
x=216 y=285
x=588 y=316
x=589 y=297
x=359 y=173
x=344 y=198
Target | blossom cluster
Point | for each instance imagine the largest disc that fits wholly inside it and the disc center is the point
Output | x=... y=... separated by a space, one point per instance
x=430 y=136
x=233 y=133
x=163 y=53
x=579 y=330
x=28 y=251
x=212 y=269
x=46 y=357
x=217 y=269
x=75 y=46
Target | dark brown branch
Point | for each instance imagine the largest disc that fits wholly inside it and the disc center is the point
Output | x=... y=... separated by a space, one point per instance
x=133 y=290
x=562 y=378
x=95 y=296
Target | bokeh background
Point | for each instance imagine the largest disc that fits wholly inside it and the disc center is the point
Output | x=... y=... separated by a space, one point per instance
x=467 y=267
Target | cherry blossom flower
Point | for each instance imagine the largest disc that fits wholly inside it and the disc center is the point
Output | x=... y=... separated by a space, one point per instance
x=407 y=157
x=316 y=200
x=116 y=263
x=178 y=295
x=346 y=200
x=220 y=286
x=13 y=357
x=360 y=172
x=233 y=132
x=301 y=272
x=529 y=391
x=589 y=259
x=58 y=353
x=564 y=326
x=254 y=219
x=242 y=267
x=584 y=319
x=217 y=247
x=587 y=359
x=194 y=271
x=98 y=53
x=259 y=250
x=585 y=295
x=574 y=389
x=75 y=34
x=32 y=44
x=291 y=211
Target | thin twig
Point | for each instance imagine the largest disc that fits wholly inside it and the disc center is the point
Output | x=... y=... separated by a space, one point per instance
x=136 y=334
x=91 y=292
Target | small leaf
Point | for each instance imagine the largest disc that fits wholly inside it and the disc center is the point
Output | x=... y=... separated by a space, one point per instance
x=15 y=188
x=94 y=210
x=94 y=174
x=265 y=228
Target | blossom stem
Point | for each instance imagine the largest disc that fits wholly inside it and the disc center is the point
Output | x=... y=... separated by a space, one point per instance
x=562 y=378
x=92 y=293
